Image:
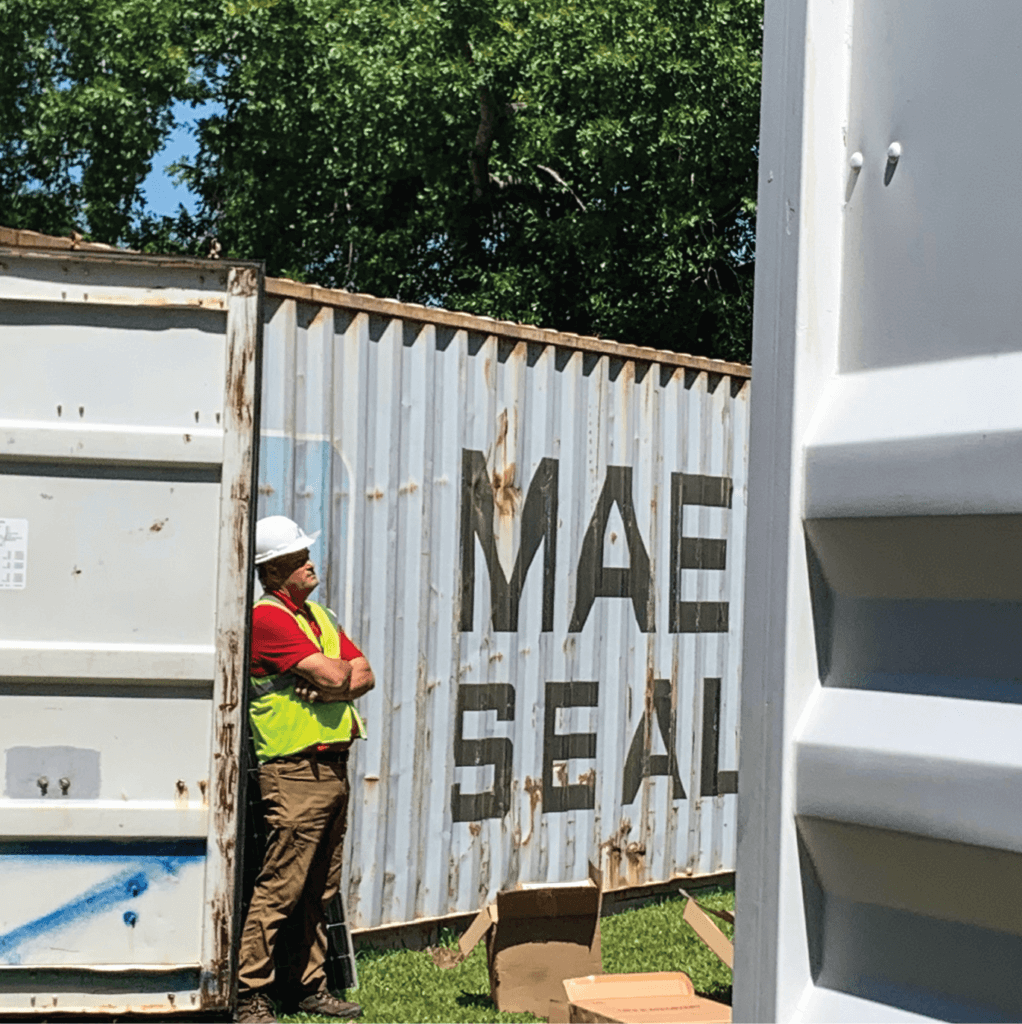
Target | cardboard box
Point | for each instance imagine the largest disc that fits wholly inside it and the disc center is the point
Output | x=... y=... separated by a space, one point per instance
x=655 y=998
x=536 y=936
x=650 y=998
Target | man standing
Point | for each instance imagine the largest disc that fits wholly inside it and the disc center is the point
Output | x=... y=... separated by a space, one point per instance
x=305 y=673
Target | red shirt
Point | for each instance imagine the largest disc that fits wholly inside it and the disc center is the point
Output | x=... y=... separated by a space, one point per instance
x=278 y=643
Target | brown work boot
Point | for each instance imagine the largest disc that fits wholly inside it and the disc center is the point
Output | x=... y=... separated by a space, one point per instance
x=255 y=1009
x=325 y=1004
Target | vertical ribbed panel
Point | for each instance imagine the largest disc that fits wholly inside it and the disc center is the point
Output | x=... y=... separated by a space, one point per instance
x=370 y=423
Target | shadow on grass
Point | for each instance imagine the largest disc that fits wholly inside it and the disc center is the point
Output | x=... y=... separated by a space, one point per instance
x=474 y=999
x=722 y=994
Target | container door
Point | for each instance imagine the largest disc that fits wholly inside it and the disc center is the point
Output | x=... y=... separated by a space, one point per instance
x=880 y=842
x=126 y=449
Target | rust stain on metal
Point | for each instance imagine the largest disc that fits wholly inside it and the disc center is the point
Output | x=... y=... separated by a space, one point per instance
x=408 y=488
x=181 y=795
x=613 y=852
x=204 y=792
x=475 y=828
x=374 y=494
x=636 y=854
x=561 y=772
x=614 y=847
x=158 y=525
x=505 y=494
x=502 y=477
x=534 y=787
x=453 y=877
x=243 y=281
x=216 y=978
x=588 y=778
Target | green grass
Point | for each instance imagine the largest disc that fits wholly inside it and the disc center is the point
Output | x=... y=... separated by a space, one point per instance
x=400 y=986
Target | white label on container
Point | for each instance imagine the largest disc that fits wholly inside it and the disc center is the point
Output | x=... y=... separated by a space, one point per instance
x=13 y=553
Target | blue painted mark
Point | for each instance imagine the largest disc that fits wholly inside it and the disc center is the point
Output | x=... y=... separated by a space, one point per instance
x=127 y=884
x=305 y=476
x=130 y=918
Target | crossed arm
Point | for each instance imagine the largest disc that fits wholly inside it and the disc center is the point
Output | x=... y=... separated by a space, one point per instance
x=333 y=679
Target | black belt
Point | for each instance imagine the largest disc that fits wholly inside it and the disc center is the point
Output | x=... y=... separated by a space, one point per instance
x=332 y=756
x=339 y=756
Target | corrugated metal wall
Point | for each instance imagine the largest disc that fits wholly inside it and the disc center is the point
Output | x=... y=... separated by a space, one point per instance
x=538 y=540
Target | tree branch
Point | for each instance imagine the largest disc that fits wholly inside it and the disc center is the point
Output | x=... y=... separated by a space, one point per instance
x=560 y=181
x=479 y=160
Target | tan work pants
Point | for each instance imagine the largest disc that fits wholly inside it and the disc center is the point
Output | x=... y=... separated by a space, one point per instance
x=306 y=806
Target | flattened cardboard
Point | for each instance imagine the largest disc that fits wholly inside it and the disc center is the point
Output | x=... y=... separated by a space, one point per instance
x=659 y=997
x=656 y=997
x=477 y=929
x=709 y=932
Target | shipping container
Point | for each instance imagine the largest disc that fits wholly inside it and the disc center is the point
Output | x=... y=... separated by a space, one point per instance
x=127 y=418
x=880 y=832
x=539 y=541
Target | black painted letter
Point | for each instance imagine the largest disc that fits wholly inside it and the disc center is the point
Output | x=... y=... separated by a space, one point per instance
x=696 y=553
x=640 y=763
x=593 y=579
x=713 y=782
x=568 y=796
x=495 y=750
x=539 y=525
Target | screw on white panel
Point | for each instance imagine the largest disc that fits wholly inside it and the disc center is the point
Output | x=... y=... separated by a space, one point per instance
x=894 y=152
x=855 y=161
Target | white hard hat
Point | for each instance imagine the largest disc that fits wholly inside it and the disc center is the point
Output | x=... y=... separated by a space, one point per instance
x=278 y=535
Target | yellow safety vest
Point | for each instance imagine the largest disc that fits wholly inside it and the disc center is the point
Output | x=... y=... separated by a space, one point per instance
x=282 y=723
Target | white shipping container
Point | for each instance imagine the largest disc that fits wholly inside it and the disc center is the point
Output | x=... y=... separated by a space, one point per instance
x=538 y=541
x=127 y=390
x=879 y=832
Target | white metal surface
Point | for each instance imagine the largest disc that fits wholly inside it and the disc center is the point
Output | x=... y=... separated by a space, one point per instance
x=879 y=837
x=437 y=451
x=126 y=444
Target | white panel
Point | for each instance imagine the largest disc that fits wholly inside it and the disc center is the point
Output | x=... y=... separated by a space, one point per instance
x=36 y=439
x=70 y=366
x=106 y=557
x=127 y=394
x=82 y=659
x=881 y=699
x=103 y=820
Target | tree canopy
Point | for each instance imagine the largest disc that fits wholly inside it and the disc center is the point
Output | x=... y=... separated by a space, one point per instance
x=583 y=165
